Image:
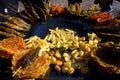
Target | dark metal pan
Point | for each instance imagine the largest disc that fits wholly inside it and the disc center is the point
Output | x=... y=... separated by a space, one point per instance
x=41 y=30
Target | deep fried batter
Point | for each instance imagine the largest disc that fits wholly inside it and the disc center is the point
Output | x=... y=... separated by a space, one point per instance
x=35 y=69
x=10 y=46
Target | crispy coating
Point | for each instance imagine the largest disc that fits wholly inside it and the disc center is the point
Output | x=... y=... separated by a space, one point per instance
x=10 y=46
x=34 y=70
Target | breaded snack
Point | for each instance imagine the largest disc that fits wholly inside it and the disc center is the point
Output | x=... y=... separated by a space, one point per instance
x=10 y=46
x=29 y=66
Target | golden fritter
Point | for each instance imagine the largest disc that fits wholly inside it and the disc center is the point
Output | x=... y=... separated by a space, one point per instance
x=10 y=46
x=32 y=69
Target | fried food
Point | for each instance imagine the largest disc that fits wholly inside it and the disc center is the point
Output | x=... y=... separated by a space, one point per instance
x=101 y=17
x=37 y=42
x=35 y=69
x=56 y=10
x=108 y=30
x=13 y=26
x=33 y=61
x=17 y=21
x=34 y=11
x=10 y=31
x=6 y=34
x=107 y=58
x=74 y=9
x=43 y=14
x=69 y=51
x=25 y=15
x=39 y=9
x=9 y=46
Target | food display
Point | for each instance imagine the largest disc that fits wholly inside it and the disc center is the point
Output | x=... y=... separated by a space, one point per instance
x=49 y=42
x=66 y=54
x=36 y=54
x=70 y=53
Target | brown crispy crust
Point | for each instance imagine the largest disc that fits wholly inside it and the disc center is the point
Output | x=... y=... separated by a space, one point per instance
x=5 y=54
x=34 y=70
x=10 y=46
x=104 y=66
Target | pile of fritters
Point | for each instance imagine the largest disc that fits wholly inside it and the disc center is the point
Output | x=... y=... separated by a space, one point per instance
x=27 y=63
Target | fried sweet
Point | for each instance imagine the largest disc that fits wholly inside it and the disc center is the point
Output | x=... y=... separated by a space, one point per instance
x=9 y=46
x=32 y=68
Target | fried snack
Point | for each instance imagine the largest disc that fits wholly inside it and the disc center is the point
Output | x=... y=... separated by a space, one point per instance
x=13 y=26
x=107 y=58
x=17 y=21
x=10 y=31
x=74 y=9
x=56 y=10
x=101 y=17
x=69 y=52
x=10 y=46
x=34 y=69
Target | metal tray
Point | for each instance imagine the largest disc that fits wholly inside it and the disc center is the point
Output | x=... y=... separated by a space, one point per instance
x=41 y=30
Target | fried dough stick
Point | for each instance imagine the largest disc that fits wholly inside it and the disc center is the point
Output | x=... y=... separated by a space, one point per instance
x=7 y=35
x=17 y=21
x=13 y=26
x=11 y=31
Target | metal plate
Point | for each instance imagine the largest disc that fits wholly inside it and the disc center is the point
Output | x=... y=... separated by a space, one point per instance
x=42 y=30
x=81 y=29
